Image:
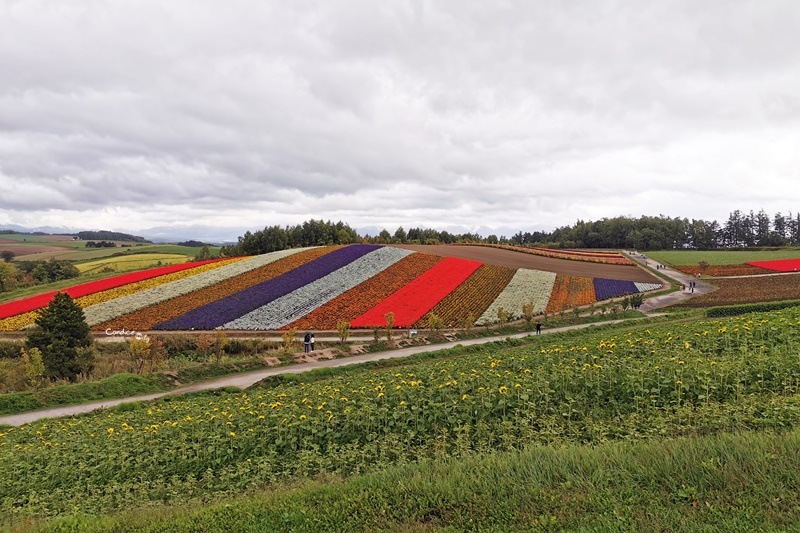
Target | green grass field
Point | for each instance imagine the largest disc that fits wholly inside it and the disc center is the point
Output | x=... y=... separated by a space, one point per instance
x=83 y=254
x=132 y=262
x=719 y=257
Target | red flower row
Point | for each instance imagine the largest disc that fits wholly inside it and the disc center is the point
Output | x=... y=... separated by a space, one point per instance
x=410 y=303
x=42 y=300
x=778 y=265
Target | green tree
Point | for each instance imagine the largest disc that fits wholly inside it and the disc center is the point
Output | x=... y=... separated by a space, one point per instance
x=434 y=322
x=528 y=312
x=288 y=340
x=400 y=235
x=204 y=254
x=34 y=367
x=7 y=255
x=61 y=331
x=10 y=276
x=343 y=327
x=502 y=316
x=389 y=323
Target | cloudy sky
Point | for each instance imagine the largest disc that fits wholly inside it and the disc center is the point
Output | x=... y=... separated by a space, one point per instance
x=212 y=117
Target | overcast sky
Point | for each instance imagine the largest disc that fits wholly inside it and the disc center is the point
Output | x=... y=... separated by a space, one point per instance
x=464 y=115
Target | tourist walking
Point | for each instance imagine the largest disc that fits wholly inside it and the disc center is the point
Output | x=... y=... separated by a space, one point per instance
x=306 y=342
x=312 y=342
x=538 y=327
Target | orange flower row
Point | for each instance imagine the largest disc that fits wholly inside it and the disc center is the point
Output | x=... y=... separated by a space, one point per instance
x=145 y=319
x=473 y=296
x=570 y=291
x=367 y=295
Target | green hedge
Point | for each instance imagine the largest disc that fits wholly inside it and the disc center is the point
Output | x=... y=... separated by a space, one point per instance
x=741 y=309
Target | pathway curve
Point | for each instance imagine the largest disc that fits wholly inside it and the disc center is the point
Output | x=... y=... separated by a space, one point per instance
x=250 y=378
x=665 y=300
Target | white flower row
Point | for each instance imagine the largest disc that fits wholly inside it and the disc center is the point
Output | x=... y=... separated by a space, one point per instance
x=527 y=286
x=97 y=314
x=302 y=301
x=644 y=287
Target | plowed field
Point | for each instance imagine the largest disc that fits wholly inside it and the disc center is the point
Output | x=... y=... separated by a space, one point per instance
x=508 y=258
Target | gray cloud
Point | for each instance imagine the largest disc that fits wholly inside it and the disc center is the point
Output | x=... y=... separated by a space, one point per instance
x=441 y=114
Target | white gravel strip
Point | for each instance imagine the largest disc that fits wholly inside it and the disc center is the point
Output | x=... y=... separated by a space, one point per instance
x=525 y=287
x=97 y=314
x=302 y=301
x=644 y=287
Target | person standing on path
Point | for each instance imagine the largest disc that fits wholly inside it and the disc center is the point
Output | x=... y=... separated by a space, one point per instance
x=538 y=327
x=306 y=342
x=312 y=342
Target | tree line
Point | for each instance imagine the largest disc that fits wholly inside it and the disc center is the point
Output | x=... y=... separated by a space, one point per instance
x=740 y=230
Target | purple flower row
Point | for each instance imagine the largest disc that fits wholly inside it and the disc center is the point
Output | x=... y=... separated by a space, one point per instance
x=611 y=288
x=217 y=313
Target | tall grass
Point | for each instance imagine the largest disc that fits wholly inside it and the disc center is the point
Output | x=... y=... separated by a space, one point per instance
x=729 y=482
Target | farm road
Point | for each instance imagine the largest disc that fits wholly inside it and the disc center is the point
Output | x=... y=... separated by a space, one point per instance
x=250 y=378
x=665 y=300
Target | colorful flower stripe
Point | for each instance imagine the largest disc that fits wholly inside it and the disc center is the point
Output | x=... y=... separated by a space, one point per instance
x=104 y=313
x=272 y=265
x=611 y=288
x=570 y=291
x=26 y=319
x=17 y=322
x=411 y=302
x=472 y=297
x=723 y=270
x=644 y=287
x=527 y=286
x=609 y=258
x=43 y=300
x=778 y=265
x=217 y=313
x=305 y=299
x=364 y=297
x=116 y=298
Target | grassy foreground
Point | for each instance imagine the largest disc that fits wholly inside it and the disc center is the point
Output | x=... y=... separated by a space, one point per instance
x=670 y=426
x=742 y=482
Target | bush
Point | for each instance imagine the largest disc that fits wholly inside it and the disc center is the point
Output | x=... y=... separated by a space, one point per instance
x=10 y=350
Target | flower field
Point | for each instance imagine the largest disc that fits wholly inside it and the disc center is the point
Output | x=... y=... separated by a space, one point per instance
x=778 y=265
x=732 y=374
x=608 y=258
x=472 y=297
x=722 y=270
x=411 y=302
x=733 y=291
x=364 y=297
x=527 y=286
x=316 y=288
x=571 y=291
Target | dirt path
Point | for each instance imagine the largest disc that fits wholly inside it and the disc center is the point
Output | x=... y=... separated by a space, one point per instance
x=665 y=300
x=250 y=378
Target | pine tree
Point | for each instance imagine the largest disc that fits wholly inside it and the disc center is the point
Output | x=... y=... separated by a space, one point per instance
x=62 y=335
